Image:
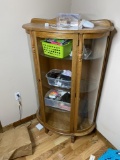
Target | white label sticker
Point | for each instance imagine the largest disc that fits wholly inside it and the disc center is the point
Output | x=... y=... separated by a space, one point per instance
x=92 y=157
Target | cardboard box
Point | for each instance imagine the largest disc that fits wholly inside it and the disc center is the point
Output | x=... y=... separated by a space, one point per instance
x=15 y=143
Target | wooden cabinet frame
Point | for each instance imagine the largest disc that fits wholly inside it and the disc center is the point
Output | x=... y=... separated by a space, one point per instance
x=46 y=116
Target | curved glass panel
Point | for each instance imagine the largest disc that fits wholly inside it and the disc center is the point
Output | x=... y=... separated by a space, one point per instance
x=93 y=56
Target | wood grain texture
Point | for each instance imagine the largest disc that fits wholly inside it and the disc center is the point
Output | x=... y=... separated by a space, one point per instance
x=53 y=146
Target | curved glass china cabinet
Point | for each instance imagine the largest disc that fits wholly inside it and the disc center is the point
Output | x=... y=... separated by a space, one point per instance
x=85 y=61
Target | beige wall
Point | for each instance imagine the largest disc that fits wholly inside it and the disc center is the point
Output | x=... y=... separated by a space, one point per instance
x=15 y=63
x=109 y=110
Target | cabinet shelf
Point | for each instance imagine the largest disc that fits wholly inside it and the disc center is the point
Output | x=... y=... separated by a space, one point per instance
x=87 y=75
x=57 y=109
x=92 y=56
x=65 y=58
x=86 y=86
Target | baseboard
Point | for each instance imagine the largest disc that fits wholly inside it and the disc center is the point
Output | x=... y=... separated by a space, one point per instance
x=105 y=140
x=17 y=123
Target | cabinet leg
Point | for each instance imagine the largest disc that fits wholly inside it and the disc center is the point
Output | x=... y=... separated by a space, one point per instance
x=46 y=130
x=72 y=139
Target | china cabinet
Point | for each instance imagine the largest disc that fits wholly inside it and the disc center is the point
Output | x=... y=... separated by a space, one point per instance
x=69 y=106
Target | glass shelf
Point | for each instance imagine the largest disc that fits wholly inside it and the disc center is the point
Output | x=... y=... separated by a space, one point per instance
x=57 y=109
x=66 y=58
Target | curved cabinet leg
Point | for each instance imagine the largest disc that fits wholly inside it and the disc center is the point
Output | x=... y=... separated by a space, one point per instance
x=73 y=139
x=46 y=130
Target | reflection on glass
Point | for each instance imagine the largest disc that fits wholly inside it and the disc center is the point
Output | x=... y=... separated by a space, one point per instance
x=94 y=48
x=86 y=52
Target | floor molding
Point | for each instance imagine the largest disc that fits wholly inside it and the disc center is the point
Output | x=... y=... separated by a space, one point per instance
x=17 y=123
x=104 y=139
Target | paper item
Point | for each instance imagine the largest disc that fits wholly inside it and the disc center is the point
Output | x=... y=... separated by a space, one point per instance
x=92 y=157
x=39 y=126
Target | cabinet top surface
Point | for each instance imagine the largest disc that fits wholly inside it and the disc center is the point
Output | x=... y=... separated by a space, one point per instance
x=37 y=24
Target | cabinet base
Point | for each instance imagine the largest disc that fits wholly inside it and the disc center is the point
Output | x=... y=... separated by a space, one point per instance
x=46 y=130
x=73 y=135
x=73 y=139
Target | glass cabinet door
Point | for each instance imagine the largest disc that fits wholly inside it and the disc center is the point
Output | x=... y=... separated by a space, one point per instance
x=92 y=64
x=55 y=92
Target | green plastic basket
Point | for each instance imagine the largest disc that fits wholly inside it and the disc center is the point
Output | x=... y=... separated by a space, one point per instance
x=56 y=50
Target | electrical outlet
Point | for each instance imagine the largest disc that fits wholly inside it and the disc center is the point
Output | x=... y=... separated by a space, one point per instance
x=17 y=96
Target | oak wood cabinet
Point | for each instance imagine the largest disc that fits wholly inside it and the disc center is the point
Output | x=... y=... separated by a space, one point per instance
x=87 y=64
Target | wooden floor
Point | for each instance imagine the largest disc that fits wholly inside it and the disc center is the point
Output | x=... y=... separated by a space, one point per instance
x=53 y=146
